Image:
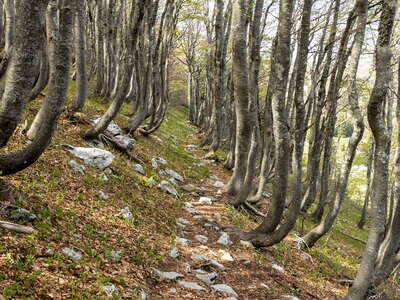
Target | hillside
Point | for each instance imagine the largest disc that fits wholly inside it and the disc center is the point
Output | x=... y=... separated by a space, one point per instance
x=77 y=210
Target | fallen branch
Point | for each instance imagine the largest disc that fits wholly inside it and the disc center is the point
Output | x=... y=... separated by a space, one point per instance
x=16 y=227
x=110 y=140
x=252 y=209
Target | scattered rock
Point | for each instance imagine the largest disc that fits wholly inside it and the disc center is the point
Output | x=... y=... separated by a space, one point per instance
x=125 y=141
x=226 y=256
x=224 y=289
x=224 y=239
x=174 y=253
x=213 y=177
x=125 y=213
x=290 y=297
x=48 y=252
x=138 y=168
x=172 y=290
x=182 y=241
x=183 y=221
x=174 y=175
x=95 y=157
x=264 y=285
x=143 y=295
x=198 y=257
x=173 y=181
x=103 y=177
x=111 y=291
x=115 y=256
x=77 y=166
x=168 y=275
x=168 y=187
x=246 y=244
x=189 y=188
x=191 y=285
x=190 y=208
x=278 y=268
x=154 y=163
x=19 y=214
x=71 y=253
x=112 y=128
x=207 y=278
x=231 y=298
x=161 y=160
x=219 y=184
x=205 y=200
x=102 y=195
x=201 y=238
x=214 y=264
x=217 y=215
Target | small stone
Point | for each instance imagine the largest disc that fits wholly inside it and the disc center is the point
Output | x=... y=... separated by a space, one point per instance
x=103 y=177
x=168 y=275
x=172 y=290
x=264 y=285
x=77 y=167
x=48 y=252
x=18 y=213
x=201 y=238
x=224 y=289
x=111 y=291
x=189 y=188
x=224 y=239
x=207 y=225
x=190 y=208
x=290 y=297
x=207 y=278
x=108 y=171
x=198 y=257
x=125 y=213
x=182 y=241
x=205 y=200
x=143 y=295
x=231 y=298
x=154 y=163
x=71 y=253
x=213 y=177
x=215 y=264
x=278 y=268
x=168 y=187
x=212 y=253
x=203 y=247
x=174 y=253
x=246 y=244
x=115 y=256
x=191 y=285
x=161 y=160
x=183 y=221
x=174 y=175
x=219 y=184
x=102 y=195
x=217 y=215
x=226 y=256
x=138 y=168
x=199 y=217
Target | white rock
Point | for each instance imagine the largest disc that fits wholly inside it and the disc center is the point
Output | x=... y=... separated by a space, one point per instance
x=224 y=239
x=182 y=241
x=215 y=264
x=168 y=275
x=246 y=244
x=205 y=200
x=203 y=247
x=111 y=291
x=76 y=166
x=226 y=256
x=71 y=253
x=125 y=213
x=113 y=127
x=174 y=175
x=154 y=163
x=231 y=298
x=201 y=238
x=278 y=268
x=207 y=278
x=138 y=168
x=198 y=257
x=224 y=289
x=290 y=297
x=168 y=187
x=161 y=160
x=264 y=285
x=125 y=141
x=102 y=195
x=183 y=221
x=115 y=256
x=217 y=215
x=143 y=295
x=219 y=184
x=172 y=290
x=191 y=285
x=190 y=208
x=174 y=253
x=103 y=177
x=93 y=156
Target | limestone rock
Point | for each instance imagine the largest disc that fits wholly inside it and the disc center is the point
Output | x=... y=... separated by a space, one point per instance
x=224 y=288
x=95 y=157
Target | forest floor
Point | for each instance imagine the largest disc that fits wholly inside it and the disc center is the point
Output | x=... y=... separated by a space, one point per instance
x=124 y=256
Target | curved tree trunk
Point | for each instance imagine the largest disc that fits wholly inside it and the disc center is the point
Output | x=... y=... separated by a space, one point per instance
x=366 y=270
